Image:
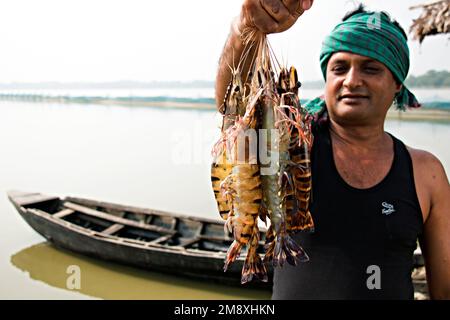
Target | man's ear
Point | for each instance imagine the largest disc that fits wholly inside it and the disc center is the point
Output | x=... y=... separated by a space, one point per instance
x=398 y=87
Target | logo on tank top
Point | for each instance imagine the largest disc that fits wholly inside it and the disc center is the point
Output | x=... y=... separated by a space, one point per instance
x=387 y=208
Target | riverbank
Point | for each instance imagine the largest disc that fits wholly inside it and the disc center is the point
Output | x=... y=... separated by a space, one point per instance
x=422 y=114
x=126 y=101
x=427 y=113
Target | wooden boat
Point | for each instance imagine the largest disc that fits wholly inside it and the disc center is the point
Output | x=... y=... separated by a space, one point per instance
x=145 y=238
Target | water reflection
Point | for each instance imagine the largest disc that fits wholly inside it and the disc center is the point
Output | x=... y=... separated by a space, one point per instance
x=46 y=263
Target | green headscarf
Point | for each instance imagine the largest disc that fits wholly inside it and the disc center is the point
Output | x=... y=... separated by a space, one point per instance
x=374 y=35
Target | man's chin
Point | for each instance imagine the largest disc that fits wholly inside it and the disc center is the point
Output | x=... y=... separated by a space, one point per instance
x=351 y=113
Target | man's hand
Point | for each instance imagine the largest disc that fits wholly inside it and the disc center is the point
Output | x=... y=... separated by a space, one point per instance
x=271 y=16
x=267 y=16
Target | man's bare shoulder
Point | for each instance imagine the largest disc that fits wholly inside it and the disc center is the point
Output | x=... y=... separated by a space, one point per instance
x=431 y=179
x=426 y=161
x=432 y=185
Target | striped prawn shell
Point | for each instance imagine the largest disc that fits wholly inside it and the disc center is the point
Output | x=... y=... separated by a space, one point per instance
x=220 y=169
x=299 y=217
x=244 y=187
x=245 y=181
x=221 y=166
x=248 y=194
x=253 y=265
x=298 y=193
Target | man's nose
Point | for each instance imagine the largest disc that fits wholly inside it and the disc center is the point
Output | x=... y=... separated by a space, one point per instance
x=353 y=78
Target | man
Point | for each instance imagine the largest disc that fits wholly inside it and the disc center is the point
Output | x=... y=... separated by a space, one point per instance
x=372 y=196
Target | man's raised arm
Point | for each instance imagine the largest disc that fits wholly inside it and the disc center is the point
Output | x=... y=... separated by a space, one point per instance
x=266 y=16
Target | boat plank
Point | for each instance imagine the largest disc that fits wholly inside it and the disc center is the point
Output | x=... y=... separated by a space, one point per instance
x=105 y=216
x=63 y=213
x=113 y=229
x=161 y=239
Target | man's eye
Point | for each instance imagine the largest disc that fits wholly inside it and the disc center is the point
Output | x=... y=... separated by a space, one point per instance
x=338 y=69
x=372 y=69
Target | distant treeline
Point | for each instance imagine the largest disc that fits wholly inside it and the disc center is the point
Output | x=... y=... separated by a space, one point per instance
x=431 y=79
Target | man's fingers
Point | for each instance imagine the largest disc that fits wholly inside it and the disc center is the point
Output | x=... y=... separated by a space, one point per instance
x=307 y=4
x=292 y=5
x=297 y=7
x=265 y=23
x=255 y=15
x=271 y=16
x=276 y=9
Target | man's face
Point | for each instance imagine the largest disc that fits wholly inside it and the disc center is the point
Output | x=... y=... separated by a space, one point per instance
x=359 y=90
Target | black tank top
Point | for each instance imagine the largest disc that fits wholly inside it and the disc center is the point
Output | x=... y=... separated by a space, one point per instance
x=364 y=239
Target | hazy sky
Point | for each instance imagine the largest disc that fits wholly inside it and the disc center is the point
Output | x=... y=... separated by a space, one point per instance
x=145 y=40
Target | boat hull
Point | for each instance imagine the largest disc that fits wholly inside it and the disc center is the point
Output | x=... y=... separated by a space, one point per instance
x=177 y=261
